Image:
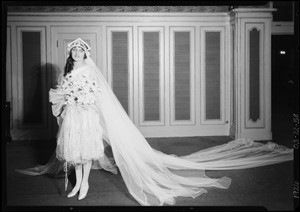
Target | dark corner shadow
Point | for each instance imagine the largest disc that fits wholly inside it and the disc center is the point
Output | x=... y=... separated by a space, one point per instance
x=43 y=149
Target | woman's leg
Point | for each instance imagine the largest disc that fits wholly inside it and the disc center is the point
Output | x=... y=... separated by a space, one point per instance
x=78 y=173
x=85 y=184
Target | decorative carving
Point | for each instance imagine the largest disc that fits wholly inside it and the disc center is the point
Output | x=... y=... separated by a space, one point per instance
x=153 y=9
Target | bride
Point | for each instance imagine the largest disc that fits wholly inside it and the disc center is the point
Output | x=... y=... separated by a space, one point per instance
x=91 y=120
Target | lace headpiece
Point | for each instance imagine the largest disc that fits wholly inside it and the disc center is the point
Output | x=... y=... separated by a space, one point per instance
x=79 y=42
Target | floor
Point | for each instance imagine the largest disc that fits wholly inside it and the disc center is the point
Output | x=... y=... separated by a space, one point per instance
x=269 y=186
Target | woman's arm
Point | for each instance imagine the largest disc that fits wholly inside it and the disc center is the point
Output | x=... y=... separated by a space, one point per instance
x=56 y=97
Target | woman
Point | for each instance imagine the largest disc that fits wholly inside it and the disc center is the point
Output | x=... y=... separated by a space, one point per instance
x=79 y=139
x=152 y=177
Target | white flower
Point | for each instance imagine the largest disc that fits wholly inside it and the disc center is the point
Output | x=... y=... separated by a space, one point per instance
x=80 y=91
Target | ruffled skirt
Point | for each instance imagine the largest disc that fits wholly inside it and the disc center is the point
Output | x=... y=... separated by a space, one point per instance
x=79 y=138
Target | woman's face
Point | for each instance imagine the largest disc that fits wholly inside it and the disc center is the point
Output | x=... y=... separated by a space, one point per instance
x=77 y=54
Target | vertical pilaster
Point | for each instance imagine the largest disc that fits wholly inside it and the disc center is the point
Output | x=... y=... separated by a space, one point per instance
x=252 y=72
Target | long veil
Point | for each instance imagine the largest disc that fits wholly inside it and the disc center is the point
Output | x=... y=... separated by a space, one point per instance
x=154 y=178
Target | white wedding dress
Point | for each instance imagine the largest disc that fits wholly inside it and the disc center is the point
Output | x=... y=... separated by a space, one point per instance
x=152 y=177
x=79 y=138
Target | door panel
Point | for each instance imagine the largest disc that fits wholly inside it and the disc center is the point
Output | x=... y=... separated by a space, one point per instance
x=31 y=84
x=151 y=76
x=182 y=76
x=119 y=55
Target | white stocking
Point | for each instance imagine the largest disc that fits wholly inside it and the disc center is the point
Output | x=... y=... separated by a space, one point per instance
x=78 y=173
x=86 y=173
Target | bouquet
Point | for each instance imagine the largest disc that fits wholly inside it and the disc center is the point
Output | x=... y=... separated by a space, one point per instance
x=80 y=91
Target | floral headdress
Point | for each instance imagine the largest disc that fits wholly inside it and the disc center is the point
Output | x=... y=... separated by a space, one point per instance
x=79 y=42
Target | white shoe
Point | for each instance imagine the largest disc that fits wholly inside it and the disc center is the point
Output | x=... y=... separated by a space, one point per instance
x=73 y=192
x=83 y=193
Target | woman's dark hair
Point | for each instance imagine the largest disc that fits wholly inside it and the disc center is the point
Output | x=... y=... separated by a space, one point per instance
x=70 y=63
